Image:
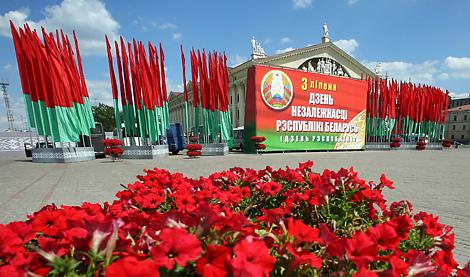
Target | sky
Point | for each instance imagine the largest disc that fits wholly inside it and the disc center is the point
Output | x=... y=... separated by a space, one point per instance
x=425 y=41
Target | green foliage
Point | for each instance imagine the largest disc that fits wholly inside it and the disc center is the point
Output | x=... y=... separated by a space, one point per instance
x=105 y=114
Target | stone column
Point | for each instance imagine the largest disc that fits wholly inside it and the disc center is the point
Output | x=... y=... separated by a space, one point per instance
x=241 y=105
x=233 y=106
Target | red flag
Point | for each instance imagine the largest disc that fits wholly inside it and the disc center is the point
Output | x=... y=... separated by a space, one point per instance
x=121 y=80
x=126 y=72
x=194 y=73
x=79 y=60
x=135 y=79
x=162 y=69
x=111 y=71
x=184 y=75
x=446 y=107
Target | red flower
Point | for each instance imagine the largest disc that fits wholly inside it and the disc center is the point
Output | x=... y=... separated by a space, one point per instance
x=49 y=222
x=361 y=249
x=270 y=188
x=465 y=271
x=302 y=232
x=214 y=262
x=385 y=236
x=25 y=231
x=363 y=272
x=112 y=142
x=402 y=225
x=419 y=262
x=193 y=147
x=131 y=267
x=301 y=257
x=176 y=246
x=252 y=259
x=184 y=201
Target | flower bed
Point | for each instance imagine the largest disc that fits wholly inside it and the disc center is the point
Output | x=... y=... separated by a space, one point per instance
x=446 y=143
x=396 y=143
x=239 y=222
x=194 y=150
x=113 y=149
x=257 y=143
x=421 y=144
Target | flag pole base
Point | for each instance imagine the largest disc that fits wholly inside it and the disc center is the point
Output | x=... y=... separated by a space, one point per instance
x=214 y=149
x=145 y=152
x=62 y=155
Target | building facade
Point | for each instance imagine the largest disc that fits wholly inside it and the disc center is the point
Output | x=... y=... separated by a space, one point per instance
x=324 y=58
x=460 y=102
x=457 y=125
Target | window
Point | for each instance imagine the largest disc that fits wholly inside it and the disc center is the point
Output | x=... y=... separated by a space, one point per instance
x=455 y=117
x=452 y=137
x=463 y=127
x=238 y=98
x=231 y=99
x=462 y=137
x=453 y=127
x=238 y=115
x=465 y=117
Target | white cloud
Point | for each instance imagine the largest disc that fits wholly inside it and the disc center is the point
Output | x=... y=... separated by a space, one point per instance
x=350 y=2
x=443 y=76
x=266 y=41
x=425 y=73
x=456 y=96
x=17 y=17
x=237 y=60
x=89 y=18
x=285 y=40
x=284 y=50
x=459 y=68
x=176 y=36
x=8 y=68
x=99 y=92
x=349 y=46
x=302 y=3
x=167 y=26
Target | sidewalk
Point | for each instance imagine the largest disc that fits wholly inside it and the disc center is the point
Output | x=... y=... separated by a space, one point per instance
x=434 y=181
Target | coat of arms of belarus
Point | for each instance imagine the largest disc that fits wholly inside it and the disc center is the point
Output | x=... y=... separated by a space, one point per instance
x=276 y=89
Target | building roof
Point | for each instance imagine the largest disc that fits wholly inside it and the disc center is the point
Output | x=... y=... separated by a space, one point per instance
x=460 y=108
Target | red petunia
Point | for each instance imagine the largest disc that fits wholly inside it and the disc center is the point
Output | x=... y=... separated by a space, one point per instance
x=363 y=272
x=25 y=231
x=131 y=267
x=214 y=262
x=252 y=259
x=402 y=225
x=385 y=236
x=271 y=188
x=361 y=249
x=176 y=246
x=49 y=222
x=301 y=257
x=302 y=232
x=184 y=201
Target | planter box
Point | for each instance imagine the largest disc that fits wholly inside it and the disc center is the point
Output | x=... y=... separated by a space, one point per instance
x=62 y=155
x=214 y=149
x=145 y=152
x=404 y=146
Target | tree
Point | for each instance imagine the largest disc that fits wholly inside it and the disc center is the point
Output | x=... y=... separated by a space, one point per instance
x=105 y=114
